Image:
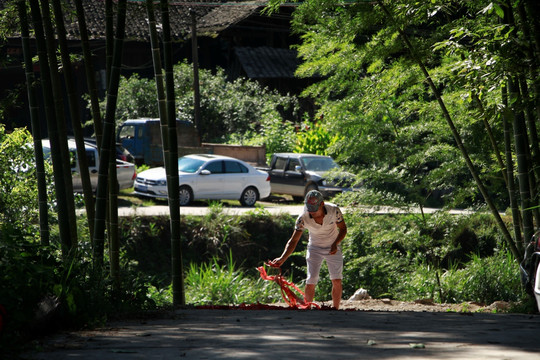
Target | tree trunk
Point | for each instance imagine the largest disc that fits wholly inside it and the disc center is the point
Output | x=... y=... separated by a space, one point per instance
x=90 y=76
x=516 y=216
x=75 y=114
x=173 y=181
x=530 y=103
x=61 y=123
x=522 y=156
x=172 y=185
x=52 y=129
x=108 y=141
x=195 y=61
x=36 y=129
x=109 y=40
x=532 y=8
x=112 y=215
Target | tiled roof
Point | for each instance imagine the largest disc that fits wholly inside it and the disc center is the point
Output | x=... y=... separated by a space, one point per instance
x=211 y=17
x=266 y=62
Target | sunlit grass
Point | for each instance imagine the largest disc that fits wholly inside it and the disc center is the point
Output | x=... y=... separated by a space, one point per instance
x=226 y=285
x=215 y=284
x=482 y=280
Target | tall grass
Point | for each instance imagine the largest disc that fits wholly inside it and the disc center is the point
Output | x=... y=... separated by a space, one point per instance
x=447 y=258
x=217 y=284
x=483 y=280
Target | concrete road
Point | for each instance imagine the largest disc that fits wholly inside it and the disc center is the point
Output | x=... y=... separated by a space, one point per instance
x=304 y=334
x=159 y=210
x=272 y=208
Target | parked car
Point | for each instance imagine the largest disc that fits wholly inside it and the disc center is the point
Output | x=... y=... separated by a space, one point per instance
x=208 y=176
x=121 y=152
x=297 y=174
x=126 y=172
x=142 y=138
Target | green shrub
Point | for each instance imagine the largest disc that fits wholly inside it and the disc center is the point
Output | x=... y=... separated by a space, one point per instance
x=18 y=184
x=215 y=284
x=484 y=280
x=314 y=139
x=238 y=107
x=407 y=256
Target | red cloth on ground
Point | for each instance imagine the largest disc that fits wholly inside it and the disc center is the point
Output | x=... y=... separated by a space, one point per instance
x=287 y=287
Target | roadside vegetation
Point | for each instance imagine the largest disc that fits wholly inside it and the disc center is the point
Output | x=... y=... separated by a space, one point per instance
x=447 y=258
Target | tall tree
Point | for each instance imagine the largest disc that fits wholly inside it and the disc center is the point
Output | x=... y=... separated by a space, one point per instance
x=74 y=111
x=60 y=119
x=454 y=130
x=169 y=141
x=59 y=168
x=108 y=140
x=36 y=127
x=173 y=181
x=392 y=70
x=94 y=99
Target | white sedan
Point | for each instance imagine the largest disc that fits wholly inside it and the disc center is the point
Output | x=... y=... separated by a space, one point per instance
x=208 y=176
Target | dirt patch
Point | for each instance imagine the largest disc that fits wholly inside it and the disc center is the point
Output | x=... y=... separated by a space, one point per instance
x=383 y=305
x=424 y=305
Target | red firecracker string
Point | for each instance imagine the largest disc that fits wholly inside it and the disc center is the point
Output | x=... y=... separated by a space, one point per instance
x=287 y=287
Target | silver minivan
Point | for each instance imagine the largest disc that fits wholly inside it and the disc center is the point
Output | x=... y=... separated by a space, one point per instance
x=126 y=172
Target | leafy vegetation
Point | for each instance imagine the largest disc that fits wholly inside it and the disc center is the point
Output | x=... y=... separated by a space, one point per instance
x=428 y=90
x=237 y=111
x=18 y=193
x=448 y=258
x=213 y=283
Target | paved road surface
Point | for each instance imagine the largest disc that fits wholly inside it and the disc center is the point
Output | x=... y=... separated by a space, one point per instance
x=294 y=210
x=305 y=334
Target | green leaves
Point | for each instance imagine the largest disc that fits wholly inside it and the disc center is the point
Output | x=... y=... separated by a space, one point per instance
x=18 y=185
x=227 y=108
x=493 y=7
x=314 y=139
x=375 y=98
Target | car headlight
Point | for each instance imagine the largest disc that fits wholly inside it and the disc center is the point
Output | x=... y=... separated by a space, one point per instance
x=324 y=182
x=162 y=182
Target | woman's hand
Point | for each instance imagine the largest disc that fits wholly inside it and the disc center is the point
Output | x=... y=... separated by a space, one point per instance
x=277 y=262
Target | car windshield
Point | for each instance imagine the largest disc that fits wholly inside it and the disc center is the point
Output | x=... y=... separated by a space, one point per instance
x=189 y=165
x=319 y=163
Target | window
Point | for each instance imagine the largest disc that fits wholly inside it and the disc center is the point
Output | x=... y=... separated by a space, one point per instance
x=292 y=164
x=127 y=132
x=280 y=163
x=215 y=167
x=91 y=158
x=319 y=163
x=235 y=167
x=189 y=165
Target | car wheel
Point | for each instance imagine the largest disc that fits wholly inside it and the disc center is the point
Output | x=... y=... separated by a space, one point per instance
x=249 y=197
x=186 y=195
x=298 y=199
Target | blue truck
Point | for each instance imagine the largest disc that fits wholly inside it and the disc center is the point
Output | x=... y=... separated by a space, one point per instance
x=142 y=138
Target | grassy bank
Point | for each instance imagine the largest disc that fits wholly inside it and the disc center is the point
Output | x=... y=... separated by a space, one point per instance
x=447 y=258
